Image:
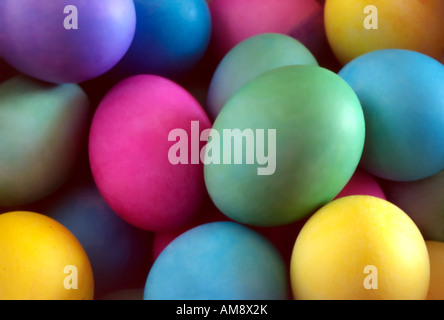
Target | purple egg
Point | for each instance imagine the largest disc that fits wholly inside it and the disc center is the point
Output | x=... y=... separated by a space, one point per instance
x=66 y=41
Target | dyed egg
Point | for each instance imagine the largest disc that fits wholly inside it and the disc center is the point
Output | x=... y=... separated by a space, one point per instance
x=218 y=261
x=41 y=260
x=404 y=112
x=356 y=248
x=126 y=294
x=238 y=20
x=422 y=200
x=171 y=37
x=286 y=127
x=44 y=128
x=357 y=27
x=62 y=42
x=249 y=59
x=362 y=183
x=119 y=253
x=436 y=257
x=134 y=154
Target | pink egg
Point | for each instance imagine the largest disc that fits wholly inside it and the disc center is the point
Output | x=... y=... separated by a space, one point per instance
x=129 y=152
x=362 y=183
x=237 y=20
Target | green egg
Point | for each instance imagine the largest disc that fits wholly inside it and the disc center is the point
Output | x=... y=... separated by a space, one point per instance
x=249 y=59
x=284 y=145
x=42 y=127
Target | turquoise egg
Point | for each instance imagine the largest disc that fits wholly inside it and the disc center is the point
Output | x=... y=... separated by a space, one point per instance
x=402 y=95
x=218 y=261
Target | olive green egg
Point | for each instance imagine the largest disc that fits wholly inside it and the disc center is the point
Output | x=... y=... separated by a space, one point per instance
x=42 y=128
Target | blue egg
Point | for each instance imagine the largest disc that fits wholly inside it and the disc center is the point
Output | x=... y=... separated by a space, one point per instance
x=120 y=254
x=402 y=95
x=170 y=39
x=218 y=261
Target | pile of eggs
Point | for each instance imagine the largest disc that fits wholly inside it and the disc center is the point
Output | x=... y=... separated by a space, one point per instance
x=116 y=181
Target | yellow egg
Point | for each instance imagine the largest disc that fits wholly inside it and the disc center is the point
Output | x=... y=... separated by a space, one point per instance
x=436 y=255
x=41 y=260
x=360 y=248
x=360 y=26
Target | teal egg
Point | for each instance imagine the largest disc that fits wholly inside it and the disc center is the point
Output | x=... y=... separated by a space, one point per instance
x=218 y=261
x=250 y=58
x=42 y=130
x=402 y=95
x=303 y=136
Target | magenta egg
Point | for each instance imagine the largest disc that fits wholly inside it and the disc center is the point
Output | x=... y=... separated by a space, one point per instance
x=362 y=183
x=132 y=152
